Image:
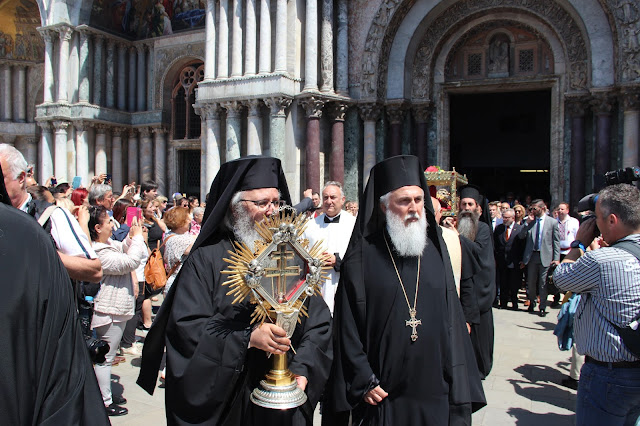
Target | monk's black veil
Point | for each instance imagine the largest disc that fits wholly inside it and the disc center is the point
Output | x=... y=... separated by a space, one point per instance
x=247 y=173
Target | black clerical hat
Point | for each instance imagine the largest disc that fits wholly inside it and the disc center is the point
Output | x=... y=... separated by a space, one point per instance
x=473 y=191
x=4 y=196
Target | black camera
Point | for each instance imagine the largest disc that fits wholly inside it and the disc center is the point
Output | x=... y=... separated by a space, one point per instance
x=614 y=177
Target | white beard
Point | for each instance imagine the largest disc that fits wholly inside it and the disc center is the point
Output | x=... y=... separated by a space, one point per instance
x=408 y=240
x=243 y=226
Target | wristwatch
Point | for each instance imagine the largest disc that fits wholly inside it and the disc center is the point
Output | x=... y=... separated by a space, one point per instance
x=577 y=244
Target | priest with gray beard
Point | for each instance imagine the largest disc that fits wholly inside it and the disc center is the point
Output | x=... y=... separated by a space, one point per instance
x=402 y=350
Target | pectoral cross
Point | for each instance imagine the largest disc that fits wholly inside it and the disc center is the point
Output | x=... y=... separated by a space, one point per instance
x=281 y=272
x=413 y=323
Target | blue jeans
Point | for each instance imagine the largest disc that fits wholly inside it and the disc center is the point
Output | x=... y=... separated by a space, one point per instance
x=608 y=396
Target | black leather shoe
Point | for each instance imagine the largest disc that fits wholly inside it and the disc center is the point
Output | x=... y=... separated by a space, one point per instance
x=116 y=410
x=531 y=307
x=118 y=399
x=543 y=314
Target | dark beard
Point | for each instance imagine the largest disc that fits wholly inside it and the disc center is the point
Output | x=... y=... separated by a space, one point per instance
x=468 y=224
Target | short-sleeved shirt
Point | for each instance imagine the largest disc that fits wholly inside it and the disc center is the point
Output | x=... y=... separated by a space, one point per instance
x=609 y=280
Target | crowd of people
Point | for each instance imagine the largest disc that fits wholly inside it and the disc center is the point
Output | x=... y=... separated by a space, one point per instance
x=432 y=282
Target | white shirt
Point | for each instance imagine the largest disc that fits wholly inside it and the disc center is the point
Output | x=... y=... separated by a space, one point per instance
x=335 y=237
x=495 y=222
x=568 y=230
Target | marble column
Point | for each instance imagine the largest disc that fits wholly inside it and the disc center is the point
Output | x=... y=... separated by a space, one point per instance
x=45 y=167
x=82 y=152
x=132 y=165
x=631 y=135
x=146 y=155
x=336 y=162
x=101 y=149
x=251 y=33
x=83 y=72
x=223 y=40
x=98 y=44
x=21 y=95
x=369 y=113
x=131 y=89
x=7 y=95
x=342 y=49
x=313 y=110
x=117 y=174
x=602 y=106
x=395 y=113
x=211 y=143
x=150 y=74
x=281 y=36
x=141 y=83
x=421 y=113
x=60 y=158
x=311 y=46
x=254 y=128
x=326 y=46
x=160 y=158
x=277 y=123
x=63 y=63
x=576 y=110
x=210 y=41
x=236 y=39
x=72 y=170
x=264 y=65
x=31 y=149
x=233 y=129
x=110 y=86
x=49 y=85
x=122 y=77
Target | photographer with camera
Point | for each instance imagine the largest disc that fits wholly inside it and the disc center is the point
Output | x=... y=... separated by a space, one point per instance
x=609 y=281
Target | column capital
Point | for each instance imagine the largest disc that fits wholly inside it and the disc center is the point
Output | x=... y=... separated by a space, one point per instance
x=61 y=125
x=577 y=106
x=631 y=100
x=369 y=111
x=421 y=111
x=65 y=32
x=84 y=32
x=47 y=34
x=140 y=48
x=101 y=129
x=46 y=126
x=312 y=106
x=158 y=130
x=233 y=108
x=211 y=111
x=81 y=125
x=145 y=132
x=111 y=43
x=118 y=131
x=98 y=37
x=395 y=111
x=602 y=103
x=253 y=105
x=132 y=132
x=337 y=110
x=278 y=105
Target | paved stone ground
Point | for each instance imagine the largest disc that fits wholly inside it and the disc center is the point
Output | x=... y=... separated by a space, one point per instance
x=523 y=388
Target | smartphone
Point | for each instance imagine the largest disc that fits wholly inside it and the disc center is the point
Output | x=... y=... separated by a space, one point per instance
x=54 y=181
x=108 y=178
x=77 y=182
x=134 y=212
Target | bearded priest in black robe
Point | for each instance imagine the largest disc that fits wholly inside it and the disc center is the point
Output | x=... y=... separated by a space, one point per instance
x=47 y=377
x=215 y=356
x=402 y=350
x=480 y=248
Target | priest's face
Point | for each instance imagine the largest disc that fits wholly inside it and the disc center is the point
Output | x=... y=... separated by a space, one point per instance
x=261 y=202
x=469 y=204
x=407 y=203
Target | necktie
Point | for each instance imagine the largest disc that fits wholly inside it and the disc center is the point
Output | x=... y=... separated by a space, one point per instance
x=536 y=246
x=327 y=219
x=508 y=234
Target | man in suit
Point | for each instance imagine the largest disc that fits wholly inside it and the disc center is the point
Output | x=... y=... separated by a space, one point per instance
x=508 y=250
x=542 y=248
x=494 y=211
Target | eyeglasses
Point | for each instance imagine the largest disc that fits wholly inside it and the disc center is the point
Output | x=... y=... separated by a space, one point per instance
x=264 y=204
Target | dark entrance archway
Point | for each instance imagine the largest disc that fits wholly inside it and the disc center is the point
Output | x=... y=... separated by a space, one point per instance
x=501 y=141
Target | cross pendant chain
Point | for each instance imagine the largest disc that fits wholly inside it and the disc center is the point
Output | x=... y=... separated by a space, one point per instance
x=413 y=323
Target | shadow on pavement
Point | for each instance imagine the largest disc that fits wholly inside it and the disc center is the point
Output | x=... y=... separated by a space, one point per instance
x=541 y=383
x=116 y=386
x=544 y=326
x=527 y=418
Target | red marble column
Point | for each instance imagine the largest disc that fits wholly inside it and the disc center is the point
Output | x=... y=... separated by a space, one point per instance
x=576 y=110
x=313 y=108
x=602 y=106
x=336 y=162
x=395 y=112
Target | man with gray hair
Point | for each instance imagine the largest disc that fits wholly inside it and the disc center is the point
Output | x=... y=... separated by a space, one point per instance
x=102 y=195
x=608 y=279
x=72 y=243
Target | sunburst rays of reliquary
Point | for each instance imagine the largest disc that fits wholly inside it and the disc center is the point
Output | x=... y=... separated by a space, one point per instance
x=238 y=267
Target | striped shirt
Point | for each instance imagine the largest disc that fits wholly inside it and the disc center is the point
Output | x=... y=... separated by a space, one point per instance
x=609 y=277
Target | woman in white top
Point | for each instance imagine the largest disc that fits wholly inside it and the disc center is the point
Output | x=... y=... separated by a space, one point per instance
x=178 y=243
x=115 y=302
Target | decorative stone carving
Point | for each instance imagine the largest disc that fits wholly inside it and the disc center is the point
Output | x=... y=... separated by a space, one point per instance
x=101 y=128
x=369 y=111
x=576 y=107
x=631 y=100
x=65 y=33
x=211 y=111
x=627 y=21
x=602 y=103
x=395 y=112
x=145 y=132
x=392 y=12
x=61 y=126
x=253 y=106
x=337 y=110
x=278 y=105
x=233 y=108
x=118 y=131
x=421 y=112
x=46 y=126
x=312 y=106
x=165 y=57
x=80 y=125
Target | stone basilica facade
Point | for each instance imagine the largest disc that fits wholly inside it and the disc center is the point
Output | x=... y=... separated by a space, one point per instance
x=169 y=89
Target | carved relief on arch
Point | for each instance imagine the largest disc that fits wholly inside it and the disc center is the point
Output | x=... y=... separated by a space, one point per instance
x=558 y=18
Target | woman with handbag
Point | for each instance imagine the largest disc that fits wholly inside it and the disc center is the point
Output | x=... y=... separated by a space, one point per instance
x=115 y=302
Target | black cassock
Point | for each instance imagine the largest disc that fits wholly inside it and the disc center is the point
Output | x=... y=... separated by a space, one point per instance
x=429 y=381
x=484 y=283
x=210 y=371
x=46 y=374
